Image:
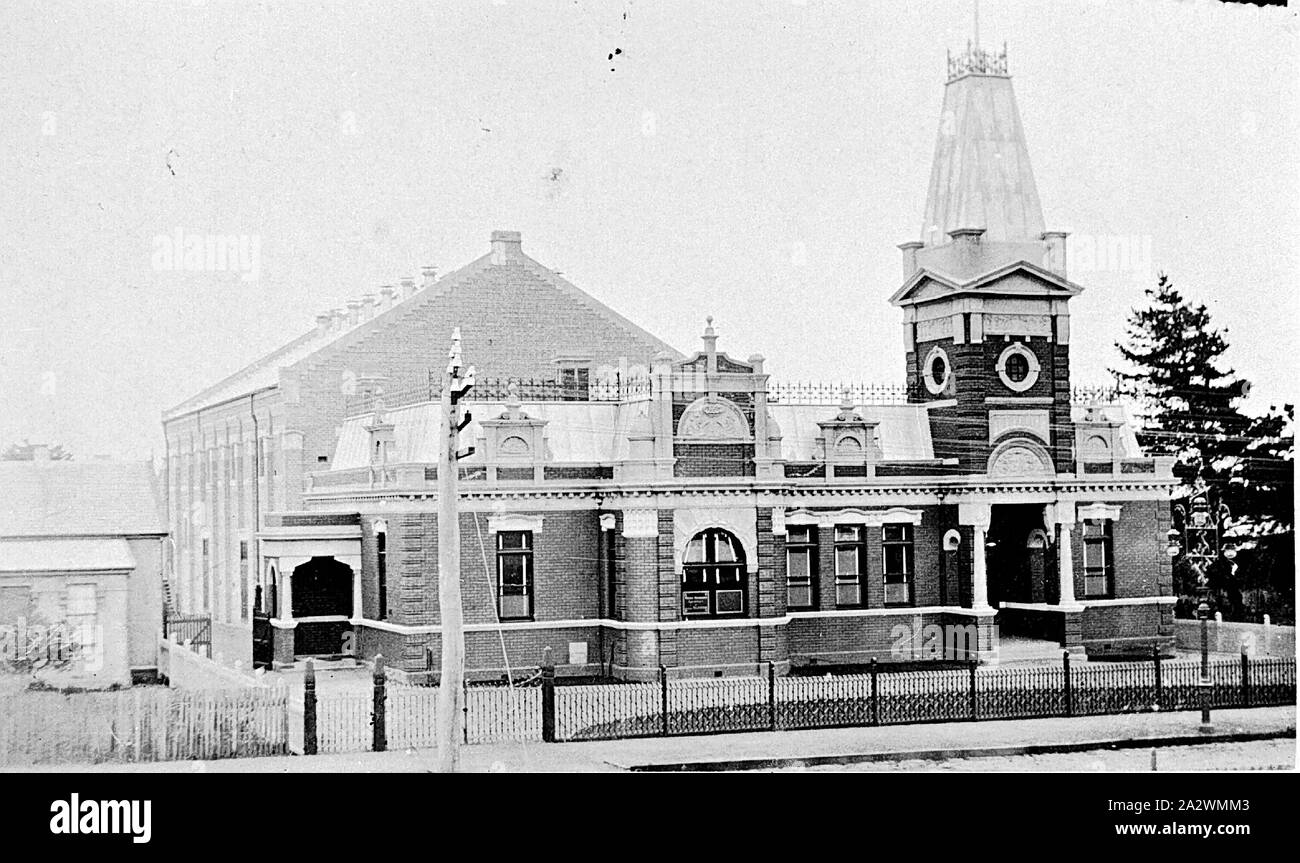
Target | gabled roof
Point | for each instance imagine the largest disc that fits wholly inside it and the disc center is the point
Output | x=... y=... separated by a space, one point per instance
x=71 y=498
x=513 y=263
x=986 y=284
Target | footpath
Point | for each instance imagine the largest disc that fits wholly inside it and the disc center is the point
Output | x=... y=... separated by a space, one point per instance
x=769 y=750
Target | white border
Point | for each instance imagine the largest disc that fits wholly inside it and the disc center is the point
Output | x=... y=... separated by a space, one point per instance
x=928 y=378
x=1034 y=367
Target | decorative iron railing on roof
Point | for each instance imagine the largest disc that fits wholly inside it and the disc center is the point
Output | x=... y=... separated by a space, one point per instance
x=1094 y=394
x=977 y=61
x=611 y=389
x=614 y=389
x=826 y=393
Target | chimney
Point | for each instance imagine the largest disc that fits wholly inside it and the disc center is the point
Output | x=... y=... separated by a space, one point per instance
x=430 y=274
x=506 y=246
x=336 y=319
x=909 y=257
x=966 y=242
x=386 y=295
x=354 y=312
x=323 y=323
x=1054 y=251
x=368 y=304
x=969 y=237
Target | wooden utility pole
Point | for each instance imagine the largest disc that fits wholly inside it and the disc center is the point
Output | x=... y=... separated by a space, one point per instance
x=451 y=717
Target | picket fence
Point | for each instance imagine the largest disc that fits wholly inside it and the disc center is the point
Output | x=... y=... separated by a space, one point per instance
x=142 y=724
x=493 y=714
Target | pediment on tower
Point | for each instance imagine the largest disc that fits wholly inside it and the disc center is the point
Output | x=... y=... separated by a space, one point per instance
x=1015 y=279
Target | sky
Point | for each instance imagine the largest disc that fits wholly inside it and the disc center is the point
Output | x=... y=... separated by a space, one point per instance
x=757 y=162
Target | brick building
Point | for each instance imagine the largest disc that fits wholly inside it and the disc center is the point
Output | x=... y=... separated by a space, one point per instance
x=630 y=507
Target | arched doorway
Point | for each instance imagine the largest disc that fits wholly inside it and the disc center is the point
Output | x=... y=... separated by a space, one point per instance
x=322 y=604
x=1016 y=545
x=714 y=581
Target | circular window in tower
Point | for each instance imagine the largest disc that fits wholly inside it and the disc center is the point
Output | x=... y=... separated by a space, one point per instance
x=1018 y=367
x=937 y=371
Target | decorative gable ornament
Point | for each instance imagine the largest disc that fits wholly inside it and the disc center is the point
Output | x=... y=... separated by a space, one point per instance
x=1020 y=457
x=513 y=437
x=713 y=418
x=849 y=439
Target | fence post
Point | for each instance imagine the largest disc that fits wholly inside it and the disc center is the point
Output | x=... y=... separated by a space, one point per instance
x=1069 y=695
x=1245 y=677
x=875 y=692
x=974 y=696
x=1155 y=657
x=663 y=700
x=378 y=714
x=548 y=696
x=309 y=710
x=464 y=710
x=771 y=694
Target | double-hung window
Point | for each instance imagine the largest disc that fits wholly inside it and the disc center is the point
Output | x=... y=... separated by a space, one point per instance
x=575 y=383
x=800 y=566
x=1098 y=559
x=896 y=540
x=82 y=618
x=850 y=564
x=515 y=575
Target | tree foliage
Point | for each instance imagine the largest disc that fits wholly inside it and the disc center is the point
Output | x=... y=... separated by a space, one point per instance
x=1189 y=399
x=27 y=452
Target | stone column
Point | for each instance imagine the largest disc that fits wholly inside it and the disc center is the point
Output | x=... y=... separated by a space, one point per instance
x=978 y=516
x=354 y=562
x=1062 y=515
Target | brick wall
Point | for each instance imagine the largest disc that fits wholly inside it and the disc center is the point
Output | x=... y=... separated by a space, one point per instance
x=703 y=459
x=513 y=323
x=962 y=431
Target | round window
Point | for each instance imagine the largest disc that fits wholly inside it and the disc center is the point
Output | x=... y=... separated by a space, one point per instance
x=1017 y=367
x=937 y=371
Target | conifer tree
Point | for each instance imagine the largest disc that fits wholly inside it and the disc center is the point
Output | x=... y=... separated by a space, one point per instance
x=1188 y=397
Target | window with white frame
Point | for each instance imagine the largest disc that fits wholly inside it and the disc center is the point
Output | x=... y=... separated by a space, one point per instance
x=515 y=574
x=575 y=383
x=82 y=618
x=800 y=566
x=850 y=564
x=896 y=541
x=1098 y=559
x=714 y=580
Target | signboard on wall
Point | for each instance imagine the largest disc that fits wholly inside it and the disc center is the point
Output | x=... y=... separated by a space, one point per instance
x=695 y=602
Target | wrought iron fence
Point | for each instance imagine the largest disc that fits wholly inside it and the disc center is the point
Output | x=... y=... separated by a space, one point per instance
x=969 y=693
x=194 y=629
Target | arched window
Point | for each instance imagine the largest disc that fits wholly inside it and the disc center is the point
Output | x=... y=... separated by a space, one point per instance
x=713 y=575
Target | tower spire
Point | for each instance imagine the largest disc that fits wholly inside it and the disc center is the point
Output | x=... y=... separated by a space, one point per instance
x=977 y=22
